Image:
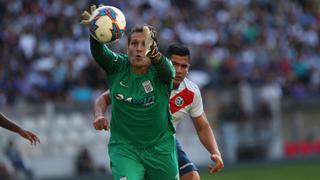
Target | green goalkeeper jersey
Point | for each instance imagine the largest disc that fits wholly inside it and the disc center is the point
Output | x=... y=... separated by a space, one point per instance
x=140 y=102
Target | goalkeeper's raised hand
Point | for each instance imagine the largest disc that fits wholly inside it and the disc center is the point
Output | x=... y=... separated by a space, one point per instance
x=152 y=51
x=86 y=15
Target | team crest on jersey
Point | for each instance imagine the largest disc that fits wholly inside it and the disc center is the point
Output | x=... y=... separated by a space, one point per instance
x=179 y=101
x=147 y=86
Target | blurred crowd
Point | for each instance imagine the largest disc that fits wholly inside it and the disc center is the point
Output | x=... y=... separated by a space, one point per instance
x=45 y=51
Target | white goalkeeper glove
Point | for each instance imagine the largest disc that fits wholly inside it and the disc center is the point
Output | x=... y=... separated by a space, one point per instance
x=86 y=15
x=152 y=51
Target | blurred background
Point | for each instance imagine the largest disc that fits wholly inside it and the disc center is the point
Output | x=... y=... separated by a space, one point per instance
x=257 y=63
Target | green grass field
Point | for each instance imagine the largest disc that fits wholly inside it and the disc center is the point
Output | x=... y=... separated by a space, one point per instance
x=297 y=170
x=289 y=170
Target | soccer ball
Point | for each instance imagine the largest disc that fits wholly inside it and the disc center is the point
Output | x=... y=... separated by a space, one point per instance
x=107 y=24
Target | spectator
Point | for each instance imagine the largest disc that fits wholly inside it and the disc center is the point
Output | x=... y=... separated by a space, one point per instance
x=84 y=163
x=247 y=39
x=15 y=157
x=5 y=168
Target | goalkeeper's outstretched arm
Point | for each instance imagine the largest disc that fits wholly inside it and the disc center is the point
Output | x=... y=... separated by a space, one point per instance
x=100 y=52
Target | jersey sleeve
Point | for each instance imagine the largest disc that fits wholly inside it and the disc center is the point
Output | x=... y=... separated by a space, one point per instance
x=108 y=60
x=165 y=70
x=197 y=106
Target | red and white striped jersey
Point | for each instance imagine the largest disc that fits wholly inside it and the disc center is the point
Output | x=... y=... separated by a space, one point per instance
x=186 y=101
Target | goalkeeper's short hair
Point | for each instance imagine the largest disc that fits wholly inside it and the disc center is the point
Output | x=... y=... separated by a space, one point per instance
x=139 y=28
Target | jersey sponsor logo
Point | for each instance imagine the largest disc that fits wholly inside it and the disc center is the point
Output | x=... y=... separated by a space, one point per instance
x=129 y=99
x=123 y=85
x=123 y=178
x=119 y=96
x=181 y=100
x=145 y=101
x=147 y=86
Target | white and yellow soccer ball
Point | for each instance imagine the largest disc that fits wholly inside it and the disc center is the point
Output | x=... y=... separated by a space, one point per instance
x=107 y=24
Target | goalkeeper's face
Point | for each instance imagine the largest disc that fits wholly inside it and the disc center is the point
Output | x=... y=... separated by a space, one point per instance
x=137 y=50
x=181 y=65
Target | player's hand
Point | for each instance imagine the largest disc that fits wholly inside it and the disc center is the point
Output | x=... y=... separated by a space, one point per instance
x=29 y=136
x=86 y=15
x=100 y=123
x=218 y=163
x=152 y=51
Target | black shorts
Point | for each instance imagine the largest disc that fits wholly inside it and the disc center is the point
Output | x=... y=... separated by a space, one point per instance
x=185 y=164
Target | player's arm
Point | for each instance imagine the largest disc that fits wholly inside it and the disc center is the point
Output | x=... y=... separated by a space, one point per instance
x=205 y=132
x=100 y=107
x=208 y=140
x=111 y=62
x=165 y=69
x=6 y=123
x=162 y=64
x=107 y=59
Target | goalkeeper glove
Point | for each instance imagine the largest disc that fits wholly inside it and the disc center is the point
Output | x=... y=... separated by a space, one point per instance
x=86 y=15
x=152 y=51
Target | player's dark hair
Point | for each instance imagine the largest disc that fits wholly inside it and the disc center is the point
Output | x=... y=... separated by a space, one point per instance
x=177 y=49
x=139 y=28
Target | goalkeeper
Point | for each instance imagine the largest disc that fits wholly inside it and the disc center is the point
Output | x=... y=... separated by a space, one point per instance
x=142 y=143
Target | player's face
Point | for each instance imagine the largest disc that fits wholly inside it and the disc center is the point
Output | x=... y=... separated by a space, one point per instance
x=137 y=50
x=181 y=65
